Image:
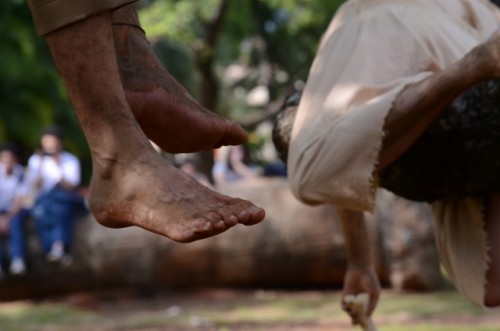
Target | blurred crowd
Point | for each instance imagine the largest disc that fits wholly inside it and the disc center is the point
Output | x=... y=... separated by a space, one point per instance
x=232 y=164
x=45 y=191
x=237 y=164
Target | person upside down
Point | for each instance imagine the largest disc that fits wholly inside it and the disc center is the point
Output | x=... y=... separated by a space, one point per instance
x=386 y=72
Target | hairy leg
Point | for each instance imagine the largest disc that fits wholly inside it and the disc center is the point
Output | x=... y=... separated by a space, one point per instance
x=492 y=229
x=131 y=183
x=420 y=104
x=161 y=106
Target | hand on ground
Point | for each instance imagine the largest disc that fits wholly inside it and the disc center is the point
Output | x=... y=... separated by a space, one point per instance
x=356 y=281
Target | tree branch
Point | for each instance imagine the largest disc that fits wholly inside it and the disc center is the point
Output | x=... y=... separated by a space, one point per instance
x=214 y=25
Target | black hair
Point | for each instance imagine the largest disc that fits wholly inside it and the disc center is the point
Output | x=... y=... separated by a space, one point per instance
x=13 y=148
x=53 y=131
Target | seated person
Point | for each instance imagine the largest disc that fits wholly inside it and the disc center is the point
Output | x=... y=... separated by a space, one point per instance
x=50 y=196
x=11 y=175
x=231 y=164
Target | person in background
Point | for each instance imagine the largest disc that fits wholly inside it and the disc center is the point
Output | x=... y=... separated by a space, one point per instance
x=231 y=165
x=50 y=194
x=11 y=176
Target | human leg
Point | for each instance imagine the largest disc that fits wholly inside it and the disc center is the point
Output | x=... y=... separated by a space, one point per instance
x=50 y=15
x=43 y=222
x=131 y=183
x=17 y=237
x=418 y=105
x=3 y=241
x=44 y=231
x=53 y=216
x=61 y=233
x=162 y=107
x=17 y=241
x=492 y=229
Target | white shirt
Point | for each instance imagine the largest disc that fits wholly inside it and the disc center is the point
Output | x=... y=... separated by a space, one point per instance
x=9 y=186
x=52 y=172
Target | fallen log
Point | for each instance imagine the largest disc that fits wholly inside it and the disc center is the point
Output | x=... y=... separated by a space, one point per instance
x=296 y=246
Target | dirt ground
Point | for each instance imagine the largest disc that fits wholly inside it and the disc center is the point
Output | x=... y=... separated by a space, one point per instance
x=245 y=310
x=314 y=310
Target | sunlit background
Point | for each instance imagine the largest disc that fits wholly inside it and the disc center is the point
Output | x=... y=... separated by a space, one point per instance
x=239 y=58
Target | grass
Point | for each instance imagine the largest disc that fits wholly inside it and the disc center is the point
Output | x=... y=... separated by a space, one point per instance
x=27 y=316
x=227 y=310
x=440 y=328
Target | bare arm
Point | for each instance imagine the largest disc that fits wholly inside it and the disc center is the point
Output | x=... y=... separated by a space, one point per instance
x=236 y=156
x=4 y=224
x=67 y=185
x=356 y=238
x=360 y=276
x=5 y=218
x=421 y=103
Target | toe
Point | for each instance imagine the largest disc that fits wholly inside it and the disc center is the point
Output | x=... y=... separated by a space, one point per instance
x=213 y=217
x=247 y=212
x=199 y=228
x=243 y=216
x=257 y=215
x=232 y=221
x=220 y=226
x=235 y=134
x=207 y=225
x=228 y=216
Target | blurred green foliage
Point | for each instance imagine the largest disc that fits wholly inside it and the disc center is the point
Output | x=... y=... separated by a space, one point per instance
x=32 y=95
x=281 y=35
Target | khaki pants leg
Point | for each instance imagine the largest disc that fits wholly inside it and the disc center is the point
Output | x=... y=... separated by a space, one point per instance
x=50 y=15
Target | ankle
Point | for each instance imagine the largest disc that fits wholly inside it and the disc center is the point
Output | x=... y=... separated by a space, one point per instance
x=127 y=34
x=125 y=15
x=109 y=161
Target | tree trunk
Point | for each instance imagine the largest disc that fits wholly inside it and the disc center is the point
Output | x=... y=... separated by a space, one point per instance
x=295 y=246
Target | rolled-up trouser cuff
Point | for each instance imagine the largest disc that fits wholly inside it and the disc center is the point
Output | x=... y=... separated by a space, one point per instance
x=50 y=15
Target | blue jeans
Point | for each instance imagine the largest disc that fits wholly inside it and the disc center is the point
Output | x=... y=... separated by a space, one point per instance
x=53 y=214
x=4 y=239
x=16 y=240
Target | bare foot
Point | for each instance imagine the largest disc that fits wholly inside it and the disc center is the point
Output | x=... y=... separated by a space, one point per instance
x=131 y=183
x=162 y=107
x=149 y=193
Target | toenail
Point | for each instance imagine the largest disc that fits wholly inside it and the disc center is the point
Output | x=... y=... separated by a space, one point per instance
x=207 y=226
x=256 y=210
x=233 y=219
x=243 y=216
